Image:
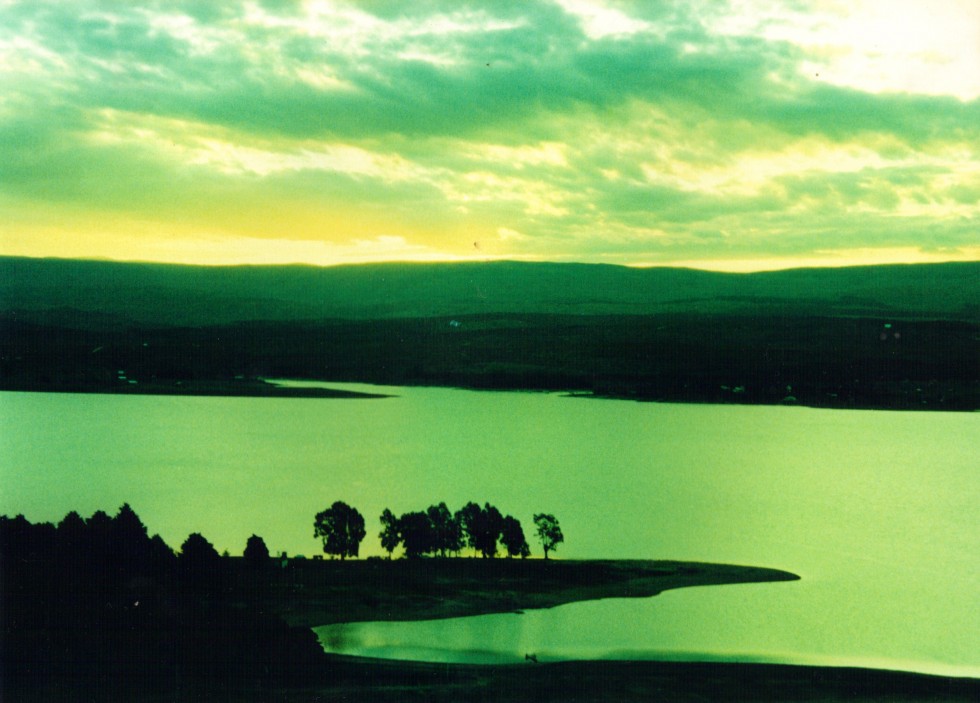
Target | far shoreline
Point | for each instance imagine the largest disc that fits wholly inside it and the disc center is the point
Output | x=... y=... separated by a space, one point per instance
x=237 y=388
x=264 y=388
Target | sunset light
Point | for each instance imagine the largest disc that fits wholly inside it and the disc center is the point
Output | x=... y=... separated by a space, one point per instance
x=735 y=135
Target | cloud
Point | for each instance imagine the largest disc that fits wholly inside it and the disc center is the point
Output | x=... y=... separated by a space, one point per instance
x=612 y=131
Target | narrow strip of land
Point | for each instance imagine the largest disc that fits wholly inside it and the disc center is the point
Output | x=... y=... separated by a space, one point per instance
x=222 y=643
x=315 y=593
x=319 y=593
x=244 y=388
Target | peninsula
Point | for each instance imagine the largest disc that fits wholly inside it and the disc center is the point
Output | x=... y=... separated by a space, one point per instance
x=137 y=621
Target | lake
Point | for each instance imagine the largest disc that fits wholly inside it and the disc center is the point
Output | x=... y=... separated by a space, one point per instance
x=876 y=511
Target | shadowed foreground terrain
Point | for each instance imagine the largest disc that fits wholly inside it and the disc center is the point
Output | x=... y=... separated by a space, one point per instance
x=96 y=610
x=627 y=681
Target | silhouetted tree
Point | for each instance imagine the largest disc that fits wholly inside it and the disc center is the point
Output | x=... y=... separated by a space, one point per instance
x=99 y=526
x=71 y=529
x=73 y=539
x=197 y=550
x=447 y=535
x=127 y=526
x=467 y=517
x=162 y=557
x=389 y=535
x=99 y=521
x=416 y=532
x=129 y=545
x=341 y=528
x=549 y=532
x=133 y=551
x=256 y=554
x=198 y=562
x=64 y=616
x=454 y=540
x=25 y=546
x=512 y=537
x=482 y=527
x=491 y=527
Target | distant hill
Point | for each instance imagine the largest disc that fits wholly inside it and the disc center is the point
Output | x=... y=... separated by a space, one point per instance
x=96 y=294
x=870 y=337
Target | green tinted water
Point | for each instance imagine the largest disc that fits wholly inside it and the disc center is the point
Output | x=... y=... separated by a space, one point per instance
x=875 y=510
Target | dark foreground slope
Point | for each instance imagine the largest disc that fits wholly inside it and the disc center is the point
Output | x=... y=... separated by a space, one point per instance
x=95 y=610
x=874 y=337
x=628 y=681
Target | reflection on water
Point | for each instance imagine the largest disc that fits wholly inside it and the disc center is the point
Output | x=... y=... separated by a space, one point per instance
x=701 y=624
x=875 y=510
x=497 y=641
x=746 y=623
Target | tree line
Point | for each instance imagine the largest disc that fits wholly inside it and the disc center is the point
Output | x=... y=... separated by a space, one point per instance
x=435 y=531
x=113 y=608
x=100 y=603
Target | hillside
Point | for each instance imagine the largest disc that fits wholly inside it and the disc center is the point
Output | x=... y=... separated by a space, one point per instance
x=98 y=293
x=896 y=337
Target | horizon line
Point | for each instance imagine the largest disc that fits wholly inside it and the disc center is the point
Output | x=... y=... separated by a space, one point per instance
x=734 y=266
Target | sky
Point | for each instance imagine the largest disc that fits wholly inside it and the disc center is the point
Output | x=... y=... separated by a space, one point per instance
x=723 y=134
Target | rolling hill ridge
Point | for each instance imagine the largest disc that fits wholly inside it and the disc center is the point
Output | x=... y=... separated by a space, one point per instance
x=175 y=295
x=895 y=337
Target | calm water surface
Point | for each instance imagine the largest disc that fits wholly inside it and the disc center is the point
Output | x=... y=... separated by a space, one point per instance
x=875 y=510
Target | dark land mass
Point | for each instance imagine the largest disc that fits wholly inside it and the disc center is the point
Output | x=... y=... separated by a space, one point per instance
x=840 y=362
x=95 y=610
x=865 y=337
x=233 y=387
x=896 y=337
x=318 y=592
x=627 y=681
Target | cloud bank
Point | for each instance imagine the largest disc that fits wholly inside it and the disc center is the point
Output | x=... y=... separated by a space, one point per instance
x=724 y=134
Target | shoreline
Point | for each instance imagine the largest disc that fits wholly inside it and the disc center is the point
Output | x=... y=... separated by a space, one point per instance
x=398 y=598
x=249 y=388
x=347 y=679
x=620 y=680
x=259 y=388
x=242 y=620
x=317 y=593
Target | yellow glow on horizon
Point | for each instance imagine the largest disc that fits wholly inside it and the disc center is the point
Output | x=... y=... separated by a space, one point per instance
x=830 y=259
x=222 y=250
x=325 y=132
x=262 y=236
x=135 y=241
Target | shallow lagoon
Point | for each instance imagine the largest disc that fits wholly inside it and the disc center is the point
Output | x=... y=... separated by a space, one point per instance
x=875 y=510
